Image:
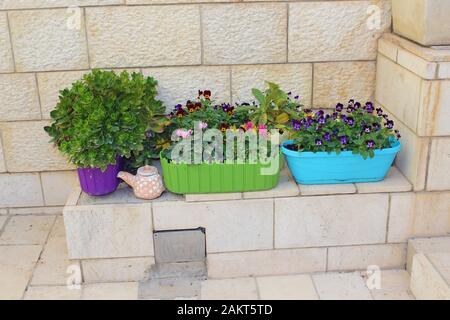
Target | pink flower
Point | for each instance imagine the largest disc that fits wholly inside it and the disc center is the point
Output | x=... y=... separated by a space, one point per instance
x=263 y=130
x=183 y=133
x=249 y=125
x=202 y=125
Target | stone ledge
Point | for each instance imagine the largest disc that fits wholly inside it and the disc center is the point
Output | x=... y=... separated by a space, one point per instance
x=427 y=63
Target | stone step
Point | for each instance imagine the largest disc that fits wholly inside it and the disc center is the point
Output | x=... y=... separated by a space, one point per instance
x=429 y=265
x=430 y=276
x=426 y=246
x=290 y=229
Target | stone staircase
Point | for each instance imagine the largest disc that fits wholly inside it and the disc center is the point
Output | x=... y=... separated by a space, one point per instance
x=429 y=267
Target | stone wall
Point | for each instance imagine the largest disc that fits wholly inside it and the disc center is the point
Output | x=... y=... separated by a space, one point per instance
x=323 y=50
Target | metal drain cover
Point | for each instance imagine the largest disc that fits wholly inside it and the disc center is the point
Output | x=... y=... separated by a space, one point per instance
x=180 y=246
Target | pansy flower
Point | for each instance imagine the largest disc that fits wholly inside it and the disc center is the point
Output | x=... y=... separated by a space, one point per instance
x=369 y=107
x=207 y=94
x=389 y=124
x=339 y=107
x=370 y=144
x=327 y=136
x=350 y=121
x=319 y=142
x=375 y=127
x=223 y=127
x=296 y=124
x=343 y=140
x=197 y=106
x=190 y=106
x=379 y=112
x=367 y=129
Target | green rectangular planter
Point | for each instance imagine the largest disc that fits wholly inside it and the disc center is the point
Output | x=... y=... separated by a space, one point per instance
x=217 y=177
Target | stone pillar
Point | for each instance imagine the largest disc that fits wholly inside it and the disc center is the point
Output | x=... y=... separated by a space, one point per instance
x=423 y=21
x=413 y=85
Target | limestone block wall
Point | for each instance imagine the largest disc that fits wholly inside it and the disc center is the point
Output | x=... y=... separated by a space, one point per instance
x=323 y=50
x=413 y=84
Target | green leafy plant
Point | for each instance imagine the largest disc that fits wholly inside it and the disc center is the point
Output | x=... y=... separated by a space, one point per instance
x=358 y=129
x=275 y=107
x=105 y=115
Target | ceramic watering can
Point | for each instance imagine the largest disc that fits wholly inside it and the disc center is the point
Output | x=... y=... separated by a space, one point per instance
x=146 y=184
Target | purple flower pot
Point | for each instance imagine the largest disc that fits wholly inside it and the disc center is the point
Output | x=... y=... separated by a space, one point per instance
x=95 y=182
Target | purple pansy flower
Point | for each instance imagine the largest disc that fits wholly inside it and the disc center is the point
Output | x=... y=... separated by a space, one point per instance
x=339 y=107
x=350 y=121
x=319 y=142
x=369 y=107
x=375 y=127
x=343 y=140
x=327 y=137
x=389 y=124
x=321 y=120
x=296 y=124
x=379 y=112
x=370 y=144
x=367 y=129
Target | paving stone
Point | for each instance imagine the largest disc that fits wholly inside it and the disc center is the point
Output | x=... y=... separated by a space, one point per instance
x=111 y=291
x=394 y=285
x=341 y=286
x=229 y=289
x=326 y=189
x=195 y=269
x=27 y=230
x=52 y=293
x=116 y=270
x=16 y=266
x=38 y=211
x=394 y=182
x=297 y=287
x=52 y=267
x=169 y=288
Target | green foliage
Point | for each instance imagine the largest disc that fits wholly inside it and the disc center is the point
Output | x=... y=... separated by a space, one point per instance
x=104 y=115
x=275 y=107
x=359 y=130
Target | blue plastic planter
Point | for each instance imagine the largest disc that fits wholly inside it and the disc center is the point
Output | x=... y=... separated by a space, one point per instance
x=330 y=168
